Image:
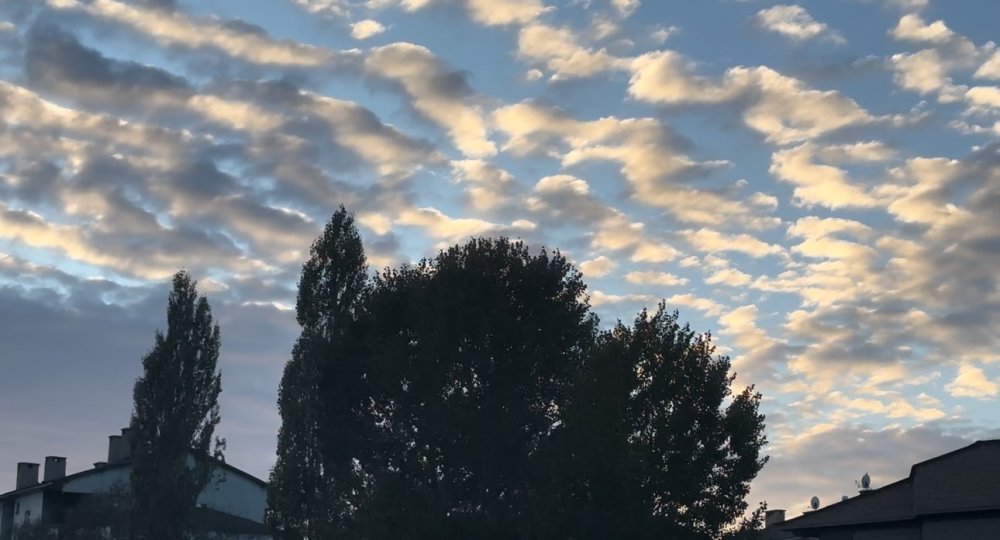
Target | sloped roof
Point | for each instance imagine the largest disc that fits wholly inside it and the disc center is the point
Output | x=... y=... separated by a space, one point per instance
x=964 y=480
x=124 y=463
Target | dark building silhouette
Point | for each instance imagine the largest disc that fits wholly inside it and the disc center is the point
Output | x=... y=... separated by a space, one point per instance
x=954 y=496
x=231 y=507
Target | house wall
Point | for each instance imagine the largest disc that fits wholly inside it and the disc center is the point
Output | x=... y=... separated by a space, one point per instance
x=900 y=533
x=98 y=480
x=962 y=529
x=6 y=519
x=967 y=480
x=235 y=494
x=30 y=508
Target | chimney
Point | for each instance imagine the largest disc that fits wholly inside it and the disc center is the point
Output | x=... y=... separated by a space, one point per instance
x=55 y=468
x=126 y=447
x=773 y=517
x=27 y=475
x=114 y=448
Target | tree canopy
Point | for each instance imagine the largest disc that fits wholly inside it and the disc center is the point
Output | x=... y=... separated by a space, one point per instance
x=302 y=501
x=176 y=409
x=473 y=395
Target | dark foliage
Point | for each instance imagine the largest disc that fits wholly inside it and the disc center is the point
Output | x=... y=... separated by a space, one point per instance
x=302 y=503
x=176 y=409
x=653 y=444
x=467 y=359
x=472 y=396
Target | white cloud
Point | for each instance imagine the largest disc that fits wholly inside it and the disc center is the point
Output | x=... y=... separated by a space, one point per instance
x=712 y=241
x=655 y=278
x=366 y=28
x=819 y=184
x=912 y=27
x=990 y=69
x=972 y=382
x=729 y=277
x=597 y=267
x=489 y=186
x=649 y=158
x=782 y=108
x=439 y=225
x=504 y=12
x=795 y=22
x=175 y=28
x=559 y=51
x=625 y=8
x=436 y=93
x=600 y=298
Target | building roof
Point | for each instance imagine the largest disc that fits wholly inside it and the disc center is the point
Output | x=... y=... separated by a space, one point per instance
x=124 y=463
x=964 y=480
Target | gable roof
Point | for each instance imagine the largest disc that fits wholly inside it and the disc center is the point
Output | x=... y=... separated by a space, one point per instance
x=913 y=496
x=58 y=482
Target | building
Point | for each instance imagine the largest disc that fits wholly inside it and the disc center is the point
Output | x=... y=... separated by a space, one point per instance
x=231 y=506
x=954 y=496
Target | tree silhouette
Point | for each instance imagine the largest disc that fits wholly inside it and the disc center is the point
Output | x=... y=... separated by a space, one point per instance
x=176 y=409
x=472 y=396
x=654 y=445
x=301 y=501
x=469 y=358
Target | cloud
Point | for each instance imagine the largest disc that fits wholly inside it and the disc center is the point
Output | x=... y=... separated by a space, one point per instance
x=504 y=12
x=437 y=93
x=177 y=29
x=824 y=185
x=488 y=187
x=597 y=267
x=912 y=27
x=655 y=278
x=366 y=28
x=333 y=8
x=625 y=8
x=598 y=298
x=972 y=382
x=712 y=241
x=794 y=22
x=729 y=277
x=650 y=156
x=782 y=108
x=559 y=51
x=705 y=305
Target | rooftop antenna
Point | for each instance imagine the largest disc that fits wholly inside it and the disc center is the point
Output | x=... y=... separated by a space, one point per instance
x=865 y=484
x=814 y=503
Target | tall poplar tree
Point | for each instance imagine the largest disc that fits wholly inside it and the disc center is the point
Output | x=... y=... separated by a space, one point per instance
x=176 y=409
x=301 y=501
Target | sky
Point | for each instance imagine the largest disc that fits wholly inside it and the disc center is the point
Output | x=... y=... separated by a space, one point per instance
x=817 y=184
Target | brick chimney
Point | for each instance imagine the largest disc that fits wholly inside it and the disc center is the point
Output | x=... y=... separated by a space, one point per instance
x=114 y=449
x=27 y=475
x=126 y=447
x=55 y=468
x=773 y=517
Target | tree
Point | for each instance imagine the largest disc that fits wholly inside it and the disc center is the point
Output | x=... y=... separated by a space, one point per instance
x=468 y=359
x=301 y=502
x=176 y=409
x=472 y=396
x=654 y=445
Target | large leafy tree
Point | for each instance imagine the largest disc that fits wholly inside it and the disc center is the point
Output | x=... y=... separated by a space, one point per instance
x=469 y=358
x=302 y=503
x=176 y=410
x=654 y=444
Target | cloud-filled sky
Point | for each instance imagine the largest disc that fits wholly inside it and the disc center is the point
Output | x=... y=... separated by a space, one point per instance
x=818 y=184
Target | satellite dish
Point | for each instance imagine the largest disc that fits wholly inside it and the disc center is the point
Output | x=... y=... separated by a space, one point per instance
x=844 y=498
x=866 y=481
x=814 y=503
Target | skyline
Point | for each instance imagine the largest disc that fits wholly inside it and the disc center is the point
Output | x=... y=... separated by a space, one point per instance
x=817 y=184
